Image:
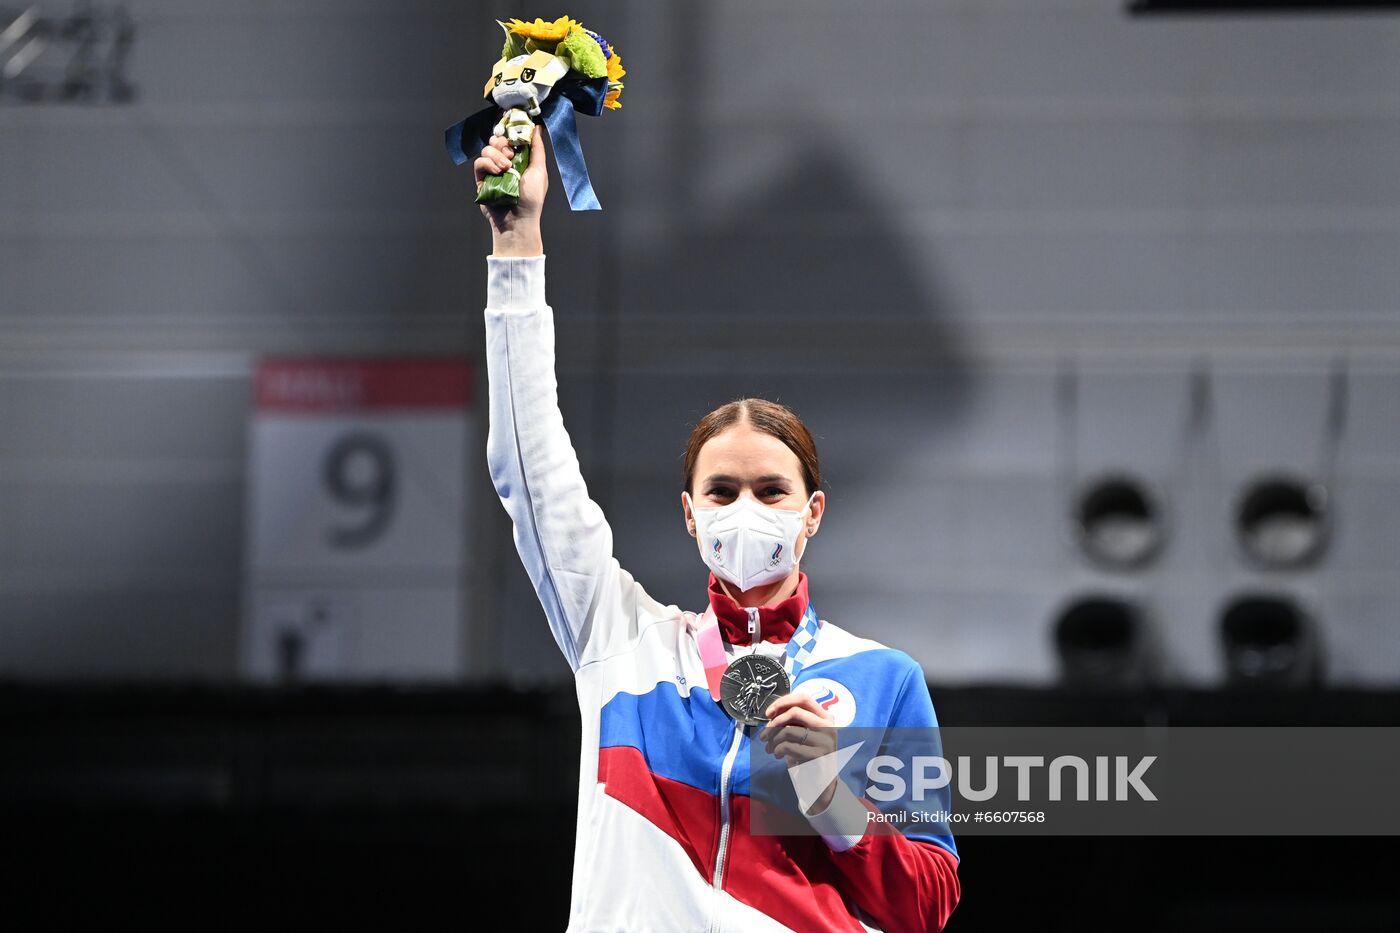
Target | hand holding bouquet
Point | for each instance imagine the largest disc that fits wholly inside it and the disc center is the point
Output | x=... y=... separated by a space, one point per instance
x=547 y=71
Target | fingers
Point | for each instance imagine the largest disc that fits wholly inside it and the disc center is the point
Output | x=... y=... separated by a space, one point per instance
x=501 y=143
x=795 y=733
x=816 y=736
x=794 y=753
x=501 y=152
x=793 y=736
x=788 y=716
x=796 y=699
x=802 y=747
x=494 y=159
x=794 y=716
x=537 y=154
x=485 y=166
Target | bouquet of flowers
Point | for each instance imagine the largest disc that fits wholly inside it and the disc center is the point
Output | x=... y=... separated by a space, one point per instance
x=548 y=71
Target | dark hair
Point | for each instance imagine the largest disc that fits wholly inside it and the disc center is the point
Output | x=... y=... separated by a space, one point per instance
x=770 y=418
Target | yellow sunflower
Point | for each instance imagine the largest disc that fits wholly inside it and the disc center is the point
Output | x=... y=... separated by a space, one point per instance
x=615 y=73
x=615 y=69
x=542 y=30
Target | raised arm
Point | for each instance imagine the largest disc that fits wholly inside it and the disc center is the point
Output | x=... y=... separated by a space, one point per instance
x=560 y=532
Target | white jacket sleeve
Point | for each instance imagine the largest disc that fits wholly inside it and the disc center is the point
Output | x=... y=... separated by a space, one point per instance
x=561 y=534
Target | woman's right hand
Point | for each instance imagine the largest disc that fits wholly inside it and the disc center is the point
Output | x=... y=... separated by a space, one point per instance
x=515 y=231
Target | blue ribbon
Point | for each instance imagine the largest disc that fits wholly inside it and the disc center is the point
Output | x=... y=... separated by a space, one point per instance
x=570 y=95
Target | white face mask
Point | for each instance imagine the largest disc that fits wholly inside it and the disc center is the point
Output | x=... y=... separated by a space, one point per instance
x=746 y=543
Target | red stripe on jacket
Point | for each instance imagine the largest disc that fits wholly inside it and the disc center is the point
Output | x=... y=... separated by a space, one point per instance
x=903 y=884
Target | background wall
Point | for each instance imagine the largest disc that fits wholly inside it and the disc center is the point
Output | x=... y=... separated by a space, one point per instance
x=914 y=222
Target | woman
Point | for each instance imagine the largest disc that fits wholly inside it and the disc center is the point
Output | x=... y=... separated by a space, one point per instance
x=664 y=840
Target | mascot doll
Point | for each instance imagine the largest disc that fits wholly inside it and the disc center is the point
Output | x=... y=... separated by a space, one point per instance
x=547 y=73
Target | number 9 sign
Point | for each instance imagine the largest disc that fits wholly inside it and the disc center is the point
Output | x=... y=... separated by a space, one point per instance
x=358 y=472
x=357 y=500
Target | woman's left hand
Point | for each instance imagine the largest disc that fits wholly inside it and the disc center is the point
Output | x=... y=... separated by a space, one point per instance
x=799 y=730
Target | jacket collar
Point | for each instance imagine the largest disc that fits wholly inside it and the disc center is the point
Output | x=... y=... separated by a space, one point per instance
x=776 y=622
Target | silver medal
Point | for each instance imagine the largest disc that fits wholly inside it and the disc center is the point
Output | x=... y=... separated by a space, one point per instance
x=749 y=685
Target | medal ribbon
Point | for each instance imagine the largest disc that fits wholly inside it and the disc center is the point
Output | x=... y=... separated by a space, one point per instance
x=799 y=647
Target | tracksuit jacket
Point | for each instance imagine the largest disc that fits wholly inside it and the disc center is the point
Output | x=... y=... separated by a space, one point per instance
x=663 y=839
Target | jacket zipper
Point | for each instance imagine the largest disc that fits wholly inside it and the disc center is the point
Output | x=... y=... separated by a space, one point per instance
x=733 y=753
x=726 y=769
